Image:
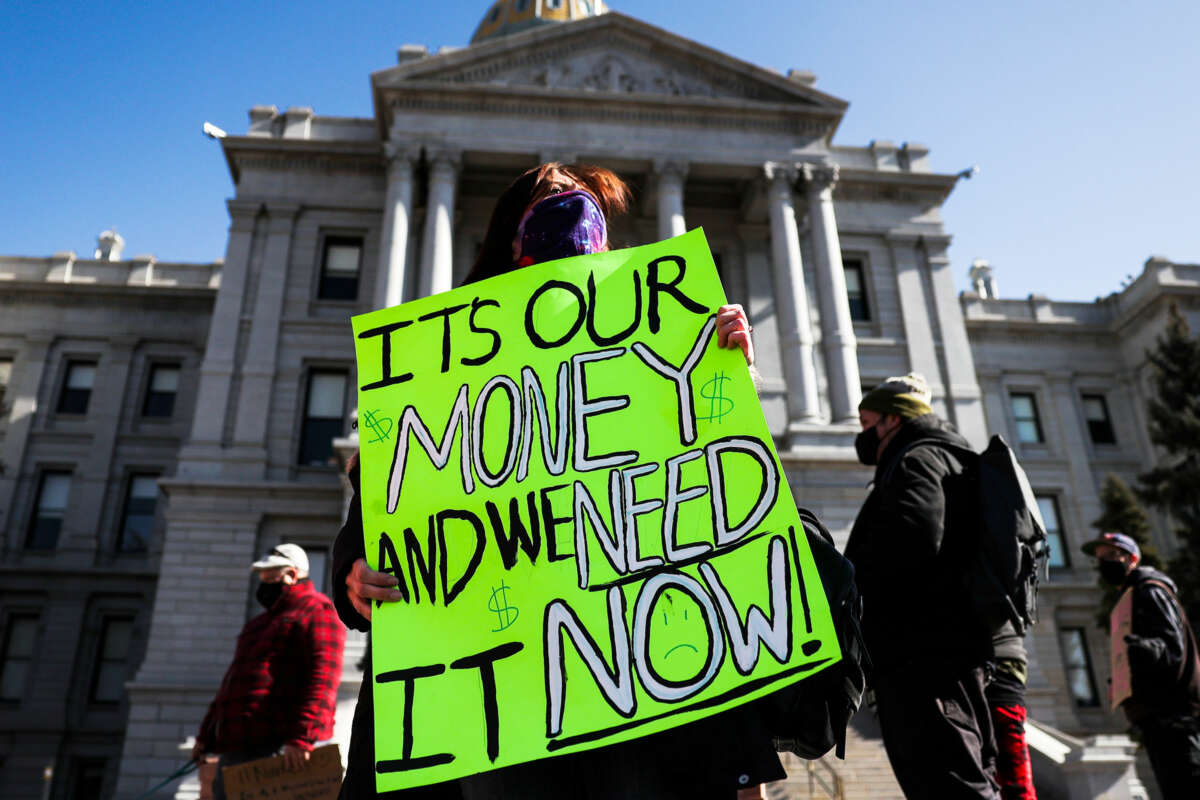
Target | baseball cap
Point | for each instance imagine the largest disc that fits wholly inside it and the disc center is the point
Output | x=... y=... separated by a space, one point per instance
x=1118 y=540
x=284 y=555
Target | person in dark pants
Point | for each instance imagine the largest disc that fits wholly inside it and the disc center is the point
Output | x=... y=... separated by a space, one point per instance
x=909 y=547
x=1164 y=671
x=555 y=211
x=1006 y=701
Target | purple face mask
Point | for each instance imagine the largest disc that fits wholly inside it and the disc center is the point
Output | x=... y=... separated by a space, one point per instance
x=562 y=225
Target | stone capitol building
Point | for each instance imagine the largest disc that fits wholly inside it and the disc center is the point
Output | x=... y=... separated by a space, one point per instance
x=162 y=424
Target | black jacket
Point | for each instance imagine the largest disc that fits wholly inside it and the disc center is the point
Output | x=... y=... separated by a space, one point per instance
x=1162 y=651
x=909 y=546
x=710 y=758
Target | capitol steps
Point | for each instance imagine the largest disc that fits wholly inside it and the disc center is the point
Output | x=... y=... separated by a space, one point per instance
x=865 y=774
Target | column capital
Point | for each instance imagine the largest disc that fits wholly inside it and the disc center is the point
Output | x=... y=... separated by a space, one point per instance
x=819 y=177
x=671 y=167
x=242 y=213
x=780 y=171
x=401 y=155
x=897 y=236
x=443 y=159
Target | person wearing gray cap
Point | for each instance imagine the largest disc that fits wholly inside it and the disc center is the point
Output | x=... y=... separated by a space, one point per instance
x=1164 y=671
x=280 y=691
x=909 y=546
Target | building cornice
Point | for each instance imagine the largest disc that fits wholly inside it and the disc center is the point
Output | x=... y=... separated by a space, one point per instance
x=883 y=186
x=535 y=103
x=325 y=156
x=46 y=290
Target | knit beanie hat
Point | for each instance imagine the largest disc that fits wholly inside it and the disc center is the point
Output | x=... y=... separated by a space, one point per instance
x=906 y=396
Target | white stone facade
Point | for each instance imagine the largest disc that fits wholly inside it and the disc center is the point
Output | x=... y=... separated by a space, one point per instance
x=704 y=140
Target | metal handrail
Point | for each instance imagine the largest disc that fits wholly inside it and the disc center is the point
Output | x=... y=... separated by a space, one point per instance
x=834 y=791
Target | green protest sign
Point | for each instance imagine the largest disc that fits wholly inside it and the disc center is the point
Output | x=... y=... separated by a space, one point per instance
x=577 y=490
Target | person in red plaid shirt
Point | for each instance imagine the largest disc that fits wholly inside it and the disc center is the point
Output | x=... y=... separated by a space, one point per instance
x=281 y=689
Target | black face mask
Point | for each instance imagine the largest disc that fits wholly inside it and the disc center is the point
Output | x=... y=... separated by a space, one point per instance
x=268 y=594
x=866 y=444
x=1112 y=572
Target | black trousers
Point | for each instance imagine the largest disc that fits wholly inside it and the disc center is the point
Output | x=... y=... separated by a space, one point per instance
x=1174 y=750
x=937 y=730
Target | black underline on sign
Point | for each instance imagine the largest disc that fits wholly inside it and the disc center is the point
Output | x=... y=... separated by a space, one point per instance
x=410 y=764
x=732 y=694
x=707 y=555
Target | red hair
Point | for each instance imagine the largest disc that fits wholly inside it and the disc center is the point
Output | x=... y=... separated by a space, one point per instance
x=495 y=256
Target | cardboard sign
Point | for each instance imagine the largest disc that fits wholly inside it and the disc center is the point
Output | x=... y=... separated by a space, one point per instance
x=1120 y=625
x=319 y=779
x=579 y=495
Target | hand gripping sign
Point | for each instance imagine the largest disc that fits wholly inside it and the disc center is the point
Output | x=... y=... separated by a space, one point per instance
x=577 y=491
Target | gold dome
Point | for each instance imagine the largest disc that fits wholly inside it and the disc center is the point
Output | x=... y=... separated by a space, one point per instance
x=511 y=16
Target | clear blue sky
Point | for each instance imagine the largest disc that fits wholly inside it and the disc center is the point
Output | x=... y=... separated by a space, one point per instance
x=1083 y=117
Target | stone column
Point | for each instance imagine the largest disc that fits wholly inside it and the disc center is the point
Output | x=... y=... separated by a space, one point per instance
x=963 y=394
x=437 y=257
x=216 y=370
x=791 y=299
x=916 y=314
x=671 y=175
x=837 y=328
x=259 y=366
x=761 y=309
x=397 y=216
x=22 y=398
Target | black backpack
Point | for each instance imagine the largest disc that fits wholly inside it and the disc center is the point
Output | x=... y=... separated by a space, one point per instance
x=809 y=718
x=1011 y=552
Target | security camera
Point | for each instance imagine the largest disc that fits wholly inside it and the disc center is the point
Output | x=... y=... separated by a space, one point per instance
x=969 y=172
x=213 y=132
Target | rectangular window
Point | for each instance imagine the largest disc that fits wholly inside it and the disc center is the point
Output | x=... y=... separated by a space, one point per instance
x=161 y=390
x=1024 y=410
x=87 y=778
x=16 y=660
x=112 y=659
x=77 y=387
x=49 y=507
x=137 y=521
x=5 y=377
x=324 y=417
x=1048 y=505
x=1078 y=665
x=318 y=564
x=1095 y=411
x=339 y=268
x=856 y=292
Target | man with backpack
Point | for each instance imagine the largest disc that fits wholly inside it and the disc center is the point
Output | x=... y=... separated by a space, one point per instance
x=1162 y=690
x=912 y=545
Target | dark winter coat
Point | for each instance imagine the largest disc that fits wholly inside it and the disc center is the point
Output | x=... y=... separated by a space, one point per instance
x=710 y=758
x=1162 y=651
x=909 y=546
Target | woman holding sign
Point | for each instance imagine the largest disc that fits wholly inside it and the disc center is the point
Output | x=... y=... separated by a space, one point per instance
x=549 y=213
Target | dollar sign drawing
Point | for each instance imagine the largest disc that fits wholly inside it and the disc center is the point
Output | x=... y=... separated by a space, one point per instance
x=499 y=604
x=381 y=427
x=718 y=404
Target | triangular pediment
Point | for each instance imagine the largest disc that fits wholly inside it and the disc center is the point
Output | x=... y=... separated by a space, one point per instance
x=605 y=56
